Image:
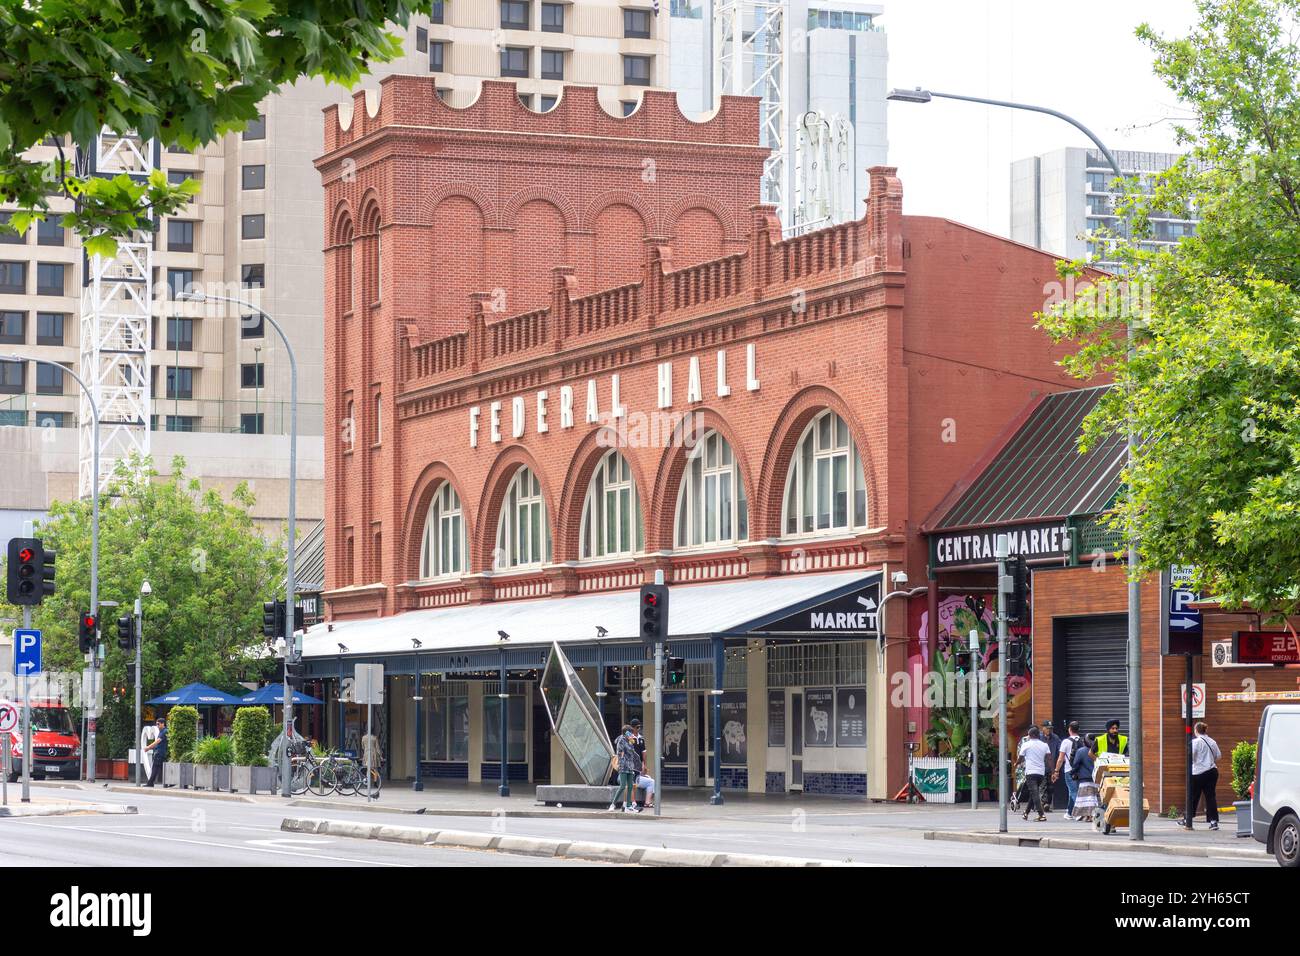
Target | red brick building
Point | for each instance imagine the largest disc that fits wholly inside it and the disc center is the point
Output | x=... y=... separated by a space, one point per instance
x=566 y=351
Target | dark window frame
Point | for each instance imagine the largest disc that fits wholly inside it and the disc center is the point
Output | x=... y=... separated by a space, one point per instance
x=507 y=54
x=552 y=27
x=256 y=128
x=250 y=271
x=252 y=326
x=43 y=288
x=54 y=377
x=46 y=234
x=6 y=373
x=62 y=318
x=187 y=286
x=13 y=338
x=179 y=382
x=180 y=245
x=13 y=288
x=259 y=176
x=255 y=418
x=632 y=59
x=252 y=219
x=630 y=16
x=438 y=56
x=255 y=380
x=514 y=24
x=176 y=325
x=421 y=39
x=551 y=74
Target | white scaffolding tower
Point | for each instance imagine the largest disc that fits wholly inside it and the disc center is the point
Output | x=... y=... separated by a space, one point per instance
x=752 y=57
x=116 y=310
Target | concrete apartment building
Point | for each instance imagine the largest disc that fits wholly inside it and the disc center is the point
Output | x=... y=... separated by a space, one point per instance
x=220 y=382
x=838 y=65
x=1062 y=200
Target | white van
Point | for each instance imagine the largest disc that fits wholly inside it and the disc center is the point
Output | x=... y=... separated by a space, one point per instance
x=1275 y=809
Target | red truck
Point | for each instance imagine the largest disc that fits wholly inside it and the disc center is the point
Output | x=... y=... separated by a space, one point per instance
x=56 y=747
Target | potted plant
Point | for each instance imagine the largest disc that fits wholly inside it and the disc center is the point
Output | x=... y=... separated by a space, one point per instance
x=212 y=758
x=1243 y=776
x=182 y=734
x=250 y=772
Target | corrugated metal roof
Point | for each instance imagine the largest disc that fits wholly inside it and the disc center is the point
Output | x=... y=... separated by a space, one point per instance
x=695 y=609
x=1039 y=472
x=309 y=571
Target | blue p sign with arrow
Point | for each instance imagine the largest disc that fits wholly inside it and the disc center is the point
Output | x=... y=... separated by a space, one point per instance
x=27 y=651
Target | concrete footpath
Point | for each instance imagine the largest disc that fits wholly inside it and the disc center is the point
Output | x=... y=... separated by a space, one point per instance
x=587 y=851
x=1160 y=835
x=48 y=805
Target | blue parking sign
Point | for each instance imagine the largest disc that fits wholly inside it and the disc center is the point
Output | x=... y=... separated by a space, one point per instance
x=27 y=651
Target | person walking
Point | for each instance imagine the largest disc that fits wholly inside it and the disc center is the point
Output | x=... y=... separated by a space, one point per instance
x=1034 y=753
x=643 y=780
x=1205 y=777
x=1112 y=742
x=157 y=752
x=1063 y=767
x=629 y=765
x=1082 y=765
x=1053 y=742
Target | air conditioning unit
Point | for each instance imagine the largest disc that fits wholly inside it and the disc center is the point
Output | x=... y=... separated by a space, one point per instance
x=1221 y=654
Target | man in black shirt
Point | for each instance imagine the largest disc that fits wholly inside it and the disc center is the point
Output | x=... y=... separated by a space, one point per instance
x=1054 y=745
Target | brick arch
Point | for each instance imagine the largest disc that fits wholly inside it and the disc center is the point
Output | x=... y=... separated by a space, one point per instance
x=620 y=197
x=619 y=232
x=341 y=228
x=567 y=521
x=765 y=505
x=432 y=200
x=730 y=229
x=371 y=218
x=417 y=506
x=488 y=512
x=510 y=212
x=672 y=465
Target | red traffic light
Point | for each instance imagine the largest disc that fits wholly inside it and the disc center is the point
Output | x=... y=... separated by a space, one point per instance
x=88 y=621
x=652 y=599
x=26 y=554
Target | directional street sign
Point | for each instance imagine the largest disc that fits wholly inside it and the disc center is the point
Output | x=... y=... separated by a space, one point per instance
x=1182 y=617
x=1181 y=630
x=27 y=652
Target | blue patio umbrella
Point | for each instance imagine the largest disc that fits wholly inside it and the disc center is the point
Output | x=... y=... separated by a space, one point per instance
x=274 y=694
x=197 y=695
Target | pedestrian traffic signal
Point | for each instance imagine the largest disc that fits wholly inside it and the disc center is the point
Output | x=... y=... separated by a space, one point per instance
x=676 y=672
x=1018 y=571
x=30 y=577
x=294 y=674
x=654 y=613
x=88 y=632
x=126 y=632
x=1016 y=658
x=297 y=618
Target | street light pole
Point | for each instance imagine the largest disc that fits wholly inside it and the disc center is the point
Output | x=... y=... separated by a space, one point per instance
x=291 y=647
x=145 y=590
x=94 y=554
x=920 y=95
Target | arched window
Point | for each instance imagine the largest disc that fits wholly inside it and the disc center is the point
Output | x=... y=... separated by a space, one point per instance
x=711 y=504
x=611 y=514
x=825 y=490
x=442 y=548
x=523 y=533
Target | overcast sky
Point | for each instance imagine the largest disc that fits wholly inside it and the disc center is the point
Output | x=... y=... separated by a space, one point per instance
x=1079 y=58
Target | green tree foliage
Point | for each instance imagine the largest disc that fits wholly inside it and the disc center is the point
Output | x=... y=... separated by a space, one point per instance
x=177 y=71
x=206 y=562
x=1213 y=388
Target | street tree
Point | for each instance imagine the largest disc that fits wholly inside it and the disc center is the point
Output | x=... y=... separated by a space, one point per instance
x=1212 y=389
x=208 y=565
x=176 y=71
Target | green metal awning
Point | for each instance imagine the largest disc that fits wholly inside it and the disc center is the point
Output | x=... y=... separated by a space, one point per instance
x=1039 y=472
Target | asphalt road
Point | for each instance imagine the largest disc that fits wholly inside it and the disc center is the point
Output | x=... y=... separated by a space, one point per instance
x=185 y=831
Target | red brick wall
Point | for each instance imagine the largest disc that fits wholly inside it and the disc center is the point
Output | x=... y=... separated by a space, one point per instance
x=525 y=253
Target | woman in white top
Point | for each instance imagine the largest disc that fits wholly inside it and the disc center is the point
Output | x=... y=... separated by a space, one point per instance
x=1205 y=777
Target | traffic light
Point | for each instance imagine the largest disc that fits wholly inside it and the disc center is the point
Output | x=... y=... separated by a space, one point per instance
x=654 y=613
x=126 y=632
x=294 y=674
x=30 y=572
x=1016 y=658
x=676 y=672
x=297 y=618
x=88 y=633
x=273 y=619
x=1018 y=571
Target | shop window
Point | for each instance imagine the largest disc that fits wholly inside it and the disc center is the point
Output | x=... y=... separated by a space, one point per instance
x=517 y=724
x=712 y=507
x=611 y=515
x=826 y=490
x=523 y=530
x=442 y=548
x=446 y=719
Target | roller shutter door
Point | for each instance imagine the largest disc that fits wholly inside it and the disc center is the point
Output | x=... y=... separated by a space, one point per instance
x=1096 y=672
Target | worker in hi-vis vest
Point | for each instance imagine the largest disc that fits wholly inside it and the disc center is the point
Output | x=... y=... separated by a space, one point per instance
x=1112 y=741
